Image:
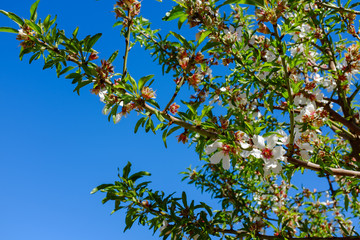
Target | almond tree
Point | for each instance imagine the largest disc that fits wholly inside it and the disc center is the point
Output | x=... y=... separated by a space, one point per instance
x=272 y=91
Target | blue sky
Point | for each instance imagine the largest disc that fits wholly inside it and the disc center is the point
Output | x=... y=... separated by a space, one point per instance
x=56 y=146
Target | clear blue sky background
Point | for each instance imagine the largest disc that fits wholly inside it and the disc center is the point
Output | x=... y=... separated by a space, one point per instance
x=55 y=146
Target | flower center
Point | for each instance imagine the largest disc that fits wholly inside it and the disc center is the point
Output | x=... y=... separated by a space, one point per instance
x=226 y=149
x=267 y=153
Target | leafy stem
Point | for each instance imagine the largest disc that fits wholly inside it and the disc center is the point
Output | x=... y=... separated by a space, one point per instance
x=288 y=88
x=127 y=44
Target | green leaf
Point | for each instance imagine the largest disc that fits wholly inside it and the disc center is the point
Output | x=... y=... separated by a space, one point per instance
x=34 y=26
x=47 y=22
x=143 y=80
x=183 y=198
x=133 y=83
x=126 y=170
x=141 y=121
x=92 y=41
x=13 y=17
x=113 y=56
x=81 y=84
x=149 y=125
x=35 y=57
x=50 y=64
x=205 y=111
x=208 y=209
x=24 y=51
x=75 y=32
x=173 y=130
x=100 y=187
x=9 y=30
x=153 y=102
x=118 y=23
x=159 y=116
x=354 y=5
x=164 y=135
x=174 y=13
x=191 y=107
x=249 y=127
x=346 y=202
x=181 y=39
x=203 y=36
x=91 y=71
x=73 y=75
x=33 y=8
x=66 y=70
x=161 y=126
x=138 y=175
x=182 y=19
x=209 y=45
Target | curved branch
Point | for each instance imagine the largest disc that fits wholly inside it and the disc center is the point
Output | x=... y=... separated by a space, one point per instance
x=318 y=168
x=334 y=7
x=337 y=117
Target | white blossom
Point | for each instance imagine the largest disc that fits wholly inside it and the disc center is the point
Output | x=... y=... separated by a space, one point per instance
x=269 y=153
x=102 y=94
x=270 y=56
x=295 y=50
x=117 y=117
x=221 y=155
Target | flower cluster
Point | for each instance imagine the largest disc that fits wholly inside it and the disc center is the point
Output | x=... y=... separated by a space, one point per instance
x=133 y=6
x=24 y=35
x=265 y=148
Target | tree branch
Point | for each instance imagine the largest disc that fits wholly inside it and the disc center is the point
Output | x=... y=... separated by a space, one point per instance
x=318 y=168
x=340 y=9
x=127 y=43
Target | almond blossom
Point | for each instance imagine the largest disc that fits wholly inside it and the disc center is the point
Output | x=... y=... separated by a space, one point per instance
x=102 y=94
x=268 y=152
x=311 y=114
x=221 y=155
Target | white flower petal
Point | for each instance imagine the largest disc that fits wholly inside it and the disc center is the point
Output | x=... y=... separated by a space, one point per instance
x=216 y=158
x=259 y=141
x=278 y=152
x=244 y=145
x=305 y=154
x=117 y=118
x=272 y=166
x=284 y=139
x=213 y=147
x=271 y=141
x=245 y=154
x=102 y=94
x=256 y=153
x=226 y=162
x=307 y=146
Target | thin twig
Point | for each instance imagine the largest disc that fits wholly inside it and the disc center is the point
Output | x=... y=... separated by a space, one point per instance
x=288 y=87
x=127 y=43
